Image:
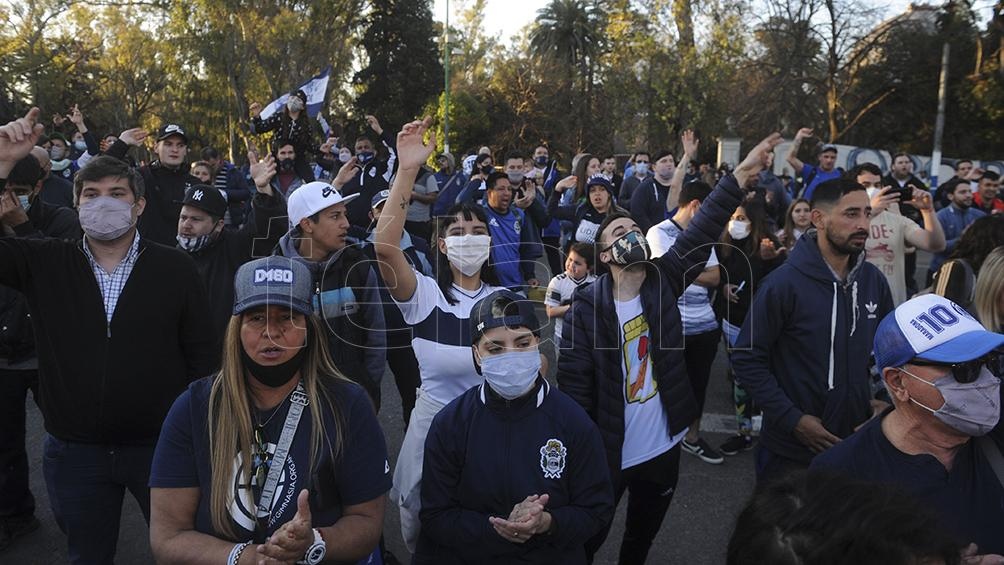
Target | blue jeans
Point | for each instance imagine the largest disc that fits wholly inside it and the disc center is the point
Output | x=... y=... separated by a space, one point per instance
x=86 y=485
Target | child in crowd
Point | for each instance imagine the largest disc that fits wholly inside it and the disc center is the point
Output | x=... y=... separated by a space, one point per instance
x=578 y=272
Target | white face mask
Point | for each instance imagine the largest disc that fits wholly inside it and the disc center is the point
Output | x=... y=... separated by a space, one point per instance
x=511 y=374
x=468 y=252
x=739 y=229
x=872 y=192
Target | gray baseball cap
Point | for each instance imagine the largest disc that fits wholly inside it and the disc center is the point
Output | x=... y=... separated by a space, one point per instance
x=273 y=281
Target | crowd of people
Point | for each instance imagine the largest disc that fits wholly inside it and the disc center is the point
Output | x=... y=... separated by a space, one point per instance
x=212 y=337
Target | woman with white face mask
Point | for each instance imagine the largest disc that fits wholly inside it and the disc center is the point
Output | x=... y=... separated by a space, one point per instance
x=438 y=309
x=748 y=253
x=532 y=485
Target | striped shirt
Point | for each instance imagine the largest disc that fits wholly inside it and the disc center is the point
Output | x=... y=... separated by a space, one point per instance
x=111 y=284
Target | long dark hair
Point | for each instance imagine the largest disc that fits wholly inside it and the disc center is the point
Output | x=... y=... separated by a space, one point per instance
x=580 y=172
x=756 y=213
x=978 y=240
x=441 y=264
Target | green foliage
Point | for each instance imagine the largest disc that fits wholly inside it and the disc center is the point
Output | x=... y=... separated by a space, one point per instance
x=403 y=72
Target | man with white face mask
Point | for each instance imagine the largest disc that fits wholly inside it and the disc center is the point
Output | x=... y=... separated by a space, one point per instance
x=121 y=331
x=556 y=491
x=942 y=370
x=891 y=232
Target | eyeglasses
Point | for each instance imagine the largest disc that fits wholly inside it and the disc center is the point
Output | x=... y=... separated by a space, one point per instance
x=261 y=458
x=968 y=371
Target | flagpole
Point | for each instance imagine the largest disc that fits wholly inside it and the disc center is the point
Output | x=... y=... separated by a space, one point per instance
x=446 y=86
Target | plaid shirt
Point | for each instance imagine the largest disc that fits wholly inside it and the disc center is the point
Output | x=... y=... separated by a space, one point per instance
x=111 y=284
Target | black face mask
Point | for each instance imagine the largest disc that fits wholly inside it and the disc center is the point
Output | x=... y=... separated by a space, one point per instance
x=487 y=169
x=274 y=376
x=286 y=165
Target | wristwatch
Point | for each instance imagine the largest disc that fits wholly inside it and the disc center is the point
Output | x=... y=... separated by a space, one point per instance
x=315 y=553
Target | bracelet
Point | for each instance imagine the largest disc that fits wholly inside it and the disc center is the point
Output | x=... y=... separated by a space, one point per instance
x=235 y=553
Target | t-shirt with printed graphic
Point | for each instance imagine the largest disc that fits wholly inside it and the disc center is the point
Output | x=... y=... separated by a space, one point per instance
x=361 y=472
x=646 y=428
x=885 y=249
x=559 y=293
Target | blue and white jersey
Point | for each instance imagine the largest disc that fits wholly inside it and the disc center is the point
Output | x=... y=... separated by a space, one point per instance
x=441 y=337
x=507 y=234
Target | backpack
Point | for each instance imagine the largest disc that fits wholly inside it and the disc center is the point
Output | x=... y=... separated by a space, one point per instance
x=956 y=281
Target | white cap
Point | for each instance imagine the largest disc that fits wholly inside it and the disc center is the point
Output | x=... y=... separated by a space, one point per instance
x=311 y=198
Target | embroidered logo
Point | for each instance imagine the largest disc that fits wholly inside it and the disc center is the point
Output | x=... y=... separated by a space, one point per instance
x=517 y=227
x=552 y=458
x=871 y=307
x=197 y=195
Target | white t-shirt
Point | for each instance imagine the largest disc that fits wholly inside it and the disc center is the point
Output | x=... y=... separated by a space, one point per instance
x=695 y=304
x=646 y=428
x=442 y=337
x=559 y=291
x=886 y=248
x=585 y=232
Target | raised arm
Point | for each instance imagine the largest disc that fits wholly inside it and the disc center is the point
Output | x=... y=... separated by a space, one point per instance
x=792 y=157
x=932 y=237
x=690 y=145
x=411 y=154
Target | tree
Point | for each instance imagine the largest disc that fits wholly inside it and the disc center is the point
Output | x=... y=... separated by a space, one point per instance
x=402 y=74
x=570 y=32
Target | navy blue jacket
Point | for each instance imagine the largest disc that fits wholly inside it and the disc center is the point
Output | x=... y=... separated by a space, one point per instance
x=485 y=454
x=589 y=368
x=805 y=346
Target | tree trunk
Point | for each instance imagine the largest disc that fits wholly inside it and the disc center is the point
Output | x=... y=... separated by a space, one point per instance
x=683 y=15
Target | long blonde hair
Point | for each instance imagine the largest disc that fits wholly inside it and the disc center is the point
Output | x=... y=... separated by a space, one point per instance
x=230 y=425
x=989 y=286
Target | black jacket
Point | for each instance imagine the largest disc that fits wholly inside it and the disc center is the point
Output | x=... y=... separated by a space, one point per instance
x=371 y=179
x=164 y=190
x=110 y=383
x=648 y=203
x=17 y=341
x=218 y=262
x=589 y=368
x=484 y=454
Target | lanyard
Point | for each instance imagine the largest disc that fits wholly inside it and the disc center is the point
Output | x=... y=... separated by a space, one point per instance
x=298 y=401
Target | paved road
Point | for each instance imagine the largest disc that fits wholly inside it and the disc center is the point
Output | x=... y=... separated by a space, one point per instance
x=694 y=533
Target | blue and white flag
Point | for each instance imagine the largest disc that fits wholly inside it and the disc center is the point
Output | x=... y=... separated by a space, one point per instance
x=315 y=89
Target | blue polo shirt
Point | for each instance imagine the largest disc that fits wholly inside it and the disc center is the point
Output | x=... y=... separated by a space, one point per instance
x=820 y=176
x=969 y=498
x=506 y=231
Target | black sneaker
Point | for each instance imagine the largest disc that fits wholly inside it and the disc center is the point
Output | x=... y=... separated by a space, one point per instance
x=13 y=528
x=704 y=451
x=735 y=444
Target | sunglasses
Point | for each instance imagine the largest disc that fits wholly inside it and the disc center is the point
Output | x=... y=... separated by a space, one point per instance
x=968 y=371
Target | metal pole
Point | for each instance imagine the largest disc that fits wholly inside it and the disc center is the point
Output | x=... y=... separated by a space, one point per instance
x=446 y=86
x=939 y=123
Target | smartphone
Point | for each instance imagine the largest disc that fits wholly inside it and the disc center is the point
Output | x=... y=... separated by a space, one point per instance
x=905 y=193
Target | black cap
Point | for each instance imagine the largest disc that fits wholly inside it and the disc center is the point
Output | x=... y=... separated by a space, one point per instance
x=167 y=130
x=502 y=308
x=206 y=198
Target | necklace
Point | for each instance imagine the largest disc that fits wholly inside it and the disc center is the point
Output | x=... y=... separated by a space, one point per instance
x=274 y=412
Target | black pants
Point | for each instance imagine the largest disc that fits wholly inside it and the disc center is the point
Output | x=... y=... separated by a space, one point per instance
x=910 y=271
x=16 y=500
x=552 y=245
x=651 y=486
x=699 y=354
x=407 y=377
x=772 y=467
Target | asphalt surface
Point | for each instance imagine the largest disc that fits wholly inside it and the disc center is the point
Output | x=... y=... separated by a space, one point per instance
x=695 y=532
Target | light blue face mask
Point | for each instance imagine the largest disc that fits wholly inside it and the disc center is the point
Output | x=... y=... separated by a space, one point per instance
x=25 y=203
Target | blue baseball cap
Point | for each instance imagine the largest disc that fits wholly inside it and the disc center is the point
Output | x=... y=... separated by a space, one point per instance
x=273 y=281
x=502 y=308
x=932 y=328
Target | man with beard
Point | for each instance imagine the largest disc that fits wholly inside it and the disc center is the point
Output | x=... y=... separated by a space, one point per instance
x=286 y=179
x=802 y=351
x=954 y=219
x=648 y=201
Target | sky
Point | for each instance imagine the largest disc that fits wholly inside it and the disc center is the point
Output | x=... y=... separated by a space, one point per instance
x=509 y=16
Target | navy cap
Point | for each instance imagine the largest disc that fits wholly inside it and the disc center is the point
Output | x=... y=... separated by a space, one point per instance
x=273 y=281
x=502 y=308
x=167 y=130
x=206 y=198
x=379 y=198
x=600 y=180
